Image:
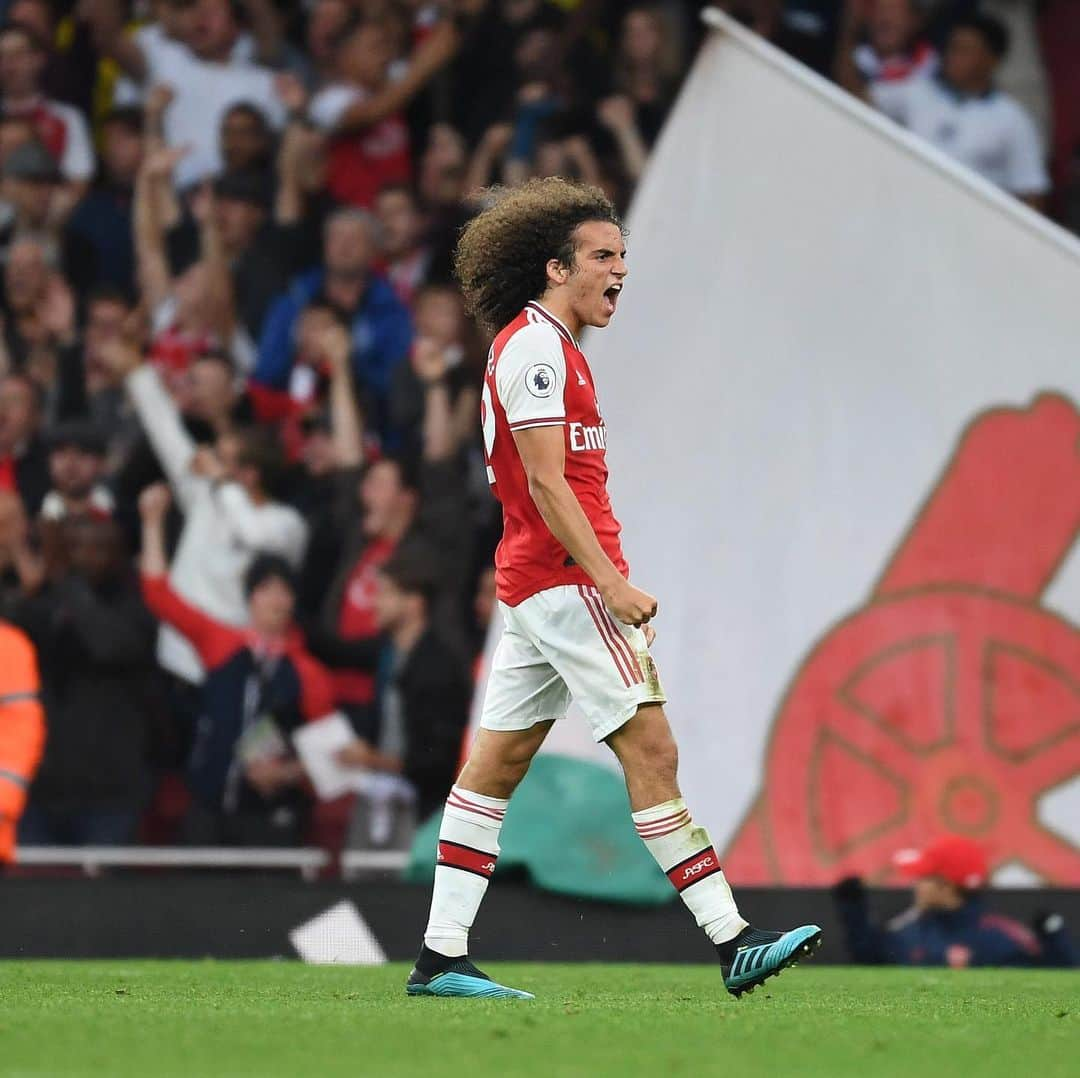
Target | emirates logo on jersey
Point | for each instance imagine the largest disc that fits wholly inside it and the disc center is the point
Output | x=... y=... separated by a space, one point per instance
x=584 y=438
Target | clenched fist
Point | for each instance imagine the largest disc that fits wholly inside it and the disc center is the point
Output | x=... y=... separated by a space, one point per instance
x=628 y=604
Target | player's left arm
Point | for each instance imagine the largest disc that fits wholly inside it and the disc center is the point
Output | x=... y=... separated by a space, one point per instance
x=543 y=456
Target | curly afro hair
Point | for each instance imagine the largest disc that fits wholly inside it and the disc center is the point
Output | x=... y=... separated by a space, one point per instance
x=502 y=255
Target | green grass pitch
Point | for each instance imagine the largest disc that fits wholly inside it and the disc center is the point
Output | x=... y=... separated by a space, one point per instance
x=270 y=1019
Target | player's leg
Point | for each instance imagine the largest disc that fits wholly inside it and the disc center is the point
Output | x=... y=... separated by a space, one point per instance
x=609 y=671
x=649 y=757
x=469 y=835
x=524 y=696
x=646 y=749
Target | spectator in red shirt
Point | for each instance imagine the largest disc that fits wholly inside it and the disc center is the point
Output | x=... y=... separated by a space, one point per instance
x=61 y=128
x=261 y=684
x=362 y=110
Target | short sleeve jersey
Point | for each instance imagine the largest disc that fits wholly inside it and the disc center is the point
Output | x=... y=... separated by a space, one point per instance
x=537 y=376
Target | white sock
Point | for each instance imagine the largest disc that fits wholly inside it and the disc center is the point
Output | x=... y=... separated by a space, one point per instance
x=686 y=854
x=468 y=850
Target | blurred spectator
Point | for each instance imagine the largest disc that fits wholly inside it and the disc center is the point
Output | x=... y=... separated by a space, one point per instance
x=32 y=196
x=405 y=254
x=60 y=128
x=361 y=110
x=400 y=506
x=247 y=141
x=647 y=69
x=379 y=324
x=193 y=310
x=948 y=924
x=22 y=568
x=255 y=249
x=200 y=53
x=95 y=642
x=22 y=731
x=446 y=354
x=807 y=29
x=440 y=181
x=962 y=113
x=86 y=388
x=893 y=52
x=71 y=66
x=1023 y=73
x=227 y=495
x=327 y=20
x=260 y=685
x=104 y=216
x=24 y=466
x=77 y=468
x=424 y=693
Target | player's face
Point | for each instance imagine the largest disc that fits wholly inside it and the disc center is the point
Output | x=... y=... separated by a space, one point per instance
x=599 y=269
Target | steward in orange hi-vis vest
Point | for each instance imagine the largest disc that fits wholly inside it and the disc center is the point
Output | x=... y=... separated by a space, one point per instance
x=22 y=731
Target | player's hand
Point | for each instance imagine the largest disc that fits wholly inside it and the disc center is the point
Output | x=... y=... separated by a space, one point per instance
x=650 y=636
x=630 y=605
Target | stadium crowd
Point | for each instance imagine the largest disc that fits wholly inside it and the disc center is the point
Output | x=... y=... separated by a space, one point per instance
x=241 y=482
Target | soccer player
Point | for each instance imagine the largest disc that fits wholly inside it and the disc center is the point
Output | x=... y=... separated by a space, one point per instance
x=544 y=261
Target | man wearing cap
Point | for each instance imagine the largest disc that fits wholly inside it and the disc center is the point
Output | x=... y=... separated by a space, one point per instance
x=948 y=924
x=29 y=184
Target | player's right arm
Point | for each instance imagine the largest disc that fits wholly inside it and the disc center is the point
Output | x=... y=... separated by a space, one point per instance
x=543 y=456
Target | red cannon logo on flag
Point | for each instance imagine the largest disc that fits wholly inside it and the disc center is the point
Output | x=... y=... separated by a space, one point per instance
x=951 y=700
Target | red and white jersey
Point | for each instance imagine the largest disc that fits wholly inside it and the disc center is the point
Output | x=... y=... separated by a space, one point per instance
x=62 y=130
x=538 y=377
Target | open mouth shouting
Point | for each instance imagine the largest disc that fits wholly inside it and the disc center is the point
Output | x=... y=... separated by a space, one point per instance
x=611 y=299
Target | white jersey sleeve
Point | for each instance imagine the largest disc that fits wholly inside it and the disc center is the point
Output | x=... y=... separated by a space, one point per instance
x=530 y=377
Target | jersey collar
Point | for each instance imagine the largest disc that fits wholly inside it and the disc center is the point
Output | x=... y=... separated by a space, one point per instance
x=557 y=323
x=958 y=95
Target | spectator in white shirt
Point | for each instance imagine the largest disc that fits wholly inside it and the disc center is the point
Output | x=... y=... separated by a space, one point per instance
x=962 y=113
x=226 y=494
x=891 y=54
x=208 y=63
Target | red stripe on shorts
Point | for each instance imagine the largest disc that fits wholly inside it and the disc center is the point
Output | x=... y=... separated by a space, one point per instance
x=467 y=858
x=615 y=635
x=598 y=621
x=624 y=644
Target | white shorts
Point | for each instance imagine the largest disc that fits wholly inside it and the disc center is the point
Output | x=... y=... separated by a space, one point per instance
x=560 y=644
